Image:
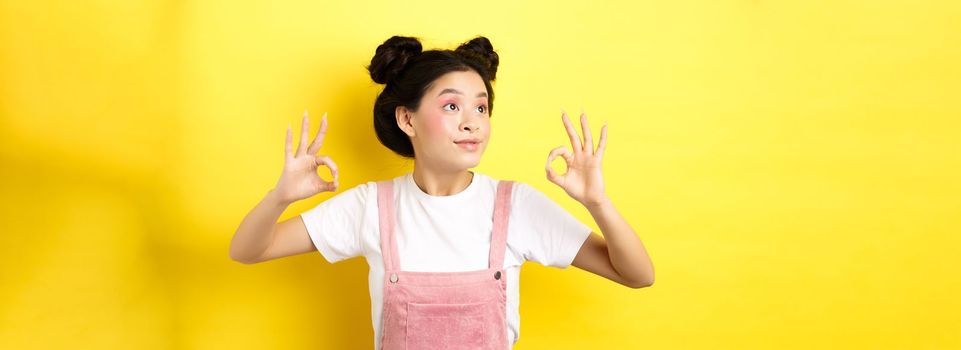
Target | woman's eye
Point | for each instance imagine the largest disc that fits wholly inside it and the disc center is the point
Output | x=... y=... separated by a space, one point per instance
x=449 y=104
x=482 y=109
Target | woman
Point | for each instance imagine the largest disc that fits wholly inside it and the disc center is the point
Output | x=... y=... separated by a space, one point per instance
x=444 y=244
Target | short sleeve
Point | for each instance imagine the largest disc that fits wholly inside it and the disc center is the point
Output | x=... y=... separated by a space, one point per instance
x=335 y=225
x=551 y=236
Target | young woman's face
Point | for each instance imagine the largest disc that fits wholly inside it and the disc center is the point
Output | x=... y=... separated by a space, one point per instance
x=452 y=123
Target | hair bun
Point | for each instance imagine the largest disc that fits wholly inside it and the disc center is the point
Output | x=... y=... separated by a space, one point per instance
x=481 y=50
x=391 y=57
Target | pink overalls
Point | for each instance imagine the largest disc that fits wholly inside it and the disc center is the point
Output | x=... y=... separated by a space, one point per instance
x=444 y=310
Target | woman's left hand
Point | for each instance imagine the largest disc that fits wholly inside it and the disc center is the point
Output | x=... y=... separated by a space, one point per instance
x=583 y=180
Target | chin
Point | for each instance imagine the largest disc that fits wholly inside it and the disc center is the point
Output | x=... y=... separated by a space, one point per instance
x=471 y=162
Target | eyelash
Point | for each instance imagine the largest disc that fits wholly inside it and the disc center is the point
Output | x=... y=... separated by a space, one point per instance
x=485 y=107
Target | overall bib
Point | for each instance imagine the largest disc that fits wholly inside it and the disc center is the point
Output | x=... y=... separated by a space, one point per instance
x=444 y=310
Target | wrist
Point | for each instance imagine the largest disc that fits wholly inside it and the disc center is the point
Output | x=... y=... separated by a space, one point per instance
x=597 y=203
x=275 y=199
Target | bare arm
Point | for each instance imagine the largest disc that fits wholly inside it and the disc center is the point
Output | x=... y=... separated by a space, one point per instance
x=619 y=255
x=626 y=251
x=259 y=237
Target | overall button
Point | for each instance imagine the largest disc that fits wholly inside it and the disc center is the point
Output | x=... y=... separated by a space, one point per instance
x=393 y=278
x=497 y=275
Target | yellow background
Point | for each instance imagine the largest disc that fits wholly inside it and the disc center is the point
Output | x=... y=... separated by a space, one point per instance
x=792 y=167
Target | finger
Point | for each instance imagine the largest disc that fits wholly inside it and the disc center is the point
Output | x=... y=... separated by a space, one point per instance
x=551 y=174
x=288 y=145
x=571 y=133
x=563 y=152
x=588 y=139
x=302 y=147
x=319 y=139
x=602 y=143
x=328 y=185
x=325 y=160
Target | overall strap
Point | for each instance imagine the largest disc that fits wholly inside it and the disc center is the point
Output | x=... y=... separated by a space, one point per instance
x=385 y=209
x=502 y=210
x=386 y=214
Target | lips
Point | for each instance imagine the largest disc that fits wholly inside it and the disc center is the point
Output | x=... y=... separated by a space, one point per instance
x=468 y=144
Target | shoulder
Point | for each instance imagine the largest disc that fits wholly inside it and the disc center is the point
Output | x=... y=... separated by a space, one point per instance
x=358 y=195
x=528 y=200
x=524 y=198
x=361 y=190
x=368 y=191
x=371 y=186
x=493 y=183
x=521 y=191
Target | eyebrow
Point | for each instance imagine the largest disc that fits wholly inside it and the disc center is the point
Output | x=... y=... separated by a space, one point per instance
x=455 y=91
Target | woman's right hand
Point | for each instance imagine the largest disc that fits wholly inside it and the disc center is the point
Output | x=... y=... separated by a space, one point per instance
x=299 y=179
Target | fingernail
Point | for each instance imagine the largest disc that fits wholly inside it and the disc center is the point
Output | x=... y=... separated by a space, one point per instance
x=305 y=113
x=325 y=115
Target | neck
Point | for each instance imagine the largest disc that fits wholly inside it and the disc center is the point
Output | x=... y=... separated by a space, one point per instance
x=442 y=183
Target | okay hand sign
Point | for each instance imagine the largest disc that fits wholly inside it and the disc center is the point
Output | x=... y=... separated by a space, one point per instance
x=299 y=179
x=583 y=180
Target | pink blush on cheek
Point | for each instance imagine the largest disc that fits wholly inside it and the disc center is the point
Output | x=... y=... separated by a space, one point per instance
x=437 y=126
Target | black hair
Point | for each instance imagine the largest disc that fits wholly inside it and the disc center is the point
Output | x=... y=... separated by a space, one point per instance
x=408 y=73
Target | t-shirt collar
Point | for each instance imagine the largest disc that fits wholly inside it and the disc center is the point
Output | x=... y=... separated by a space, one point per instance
x=465 y=193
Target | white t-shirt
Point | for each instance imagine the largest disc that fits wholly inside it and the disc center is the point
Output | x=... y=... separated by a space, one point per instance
x=445 y=234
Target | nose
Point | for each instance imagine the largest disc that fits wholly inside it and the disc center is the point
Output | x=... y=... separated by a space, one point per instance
x=470 y=126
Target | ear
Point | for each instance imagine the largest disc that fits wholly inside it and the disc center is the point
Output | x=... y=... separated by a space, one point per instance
x=403 y=116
